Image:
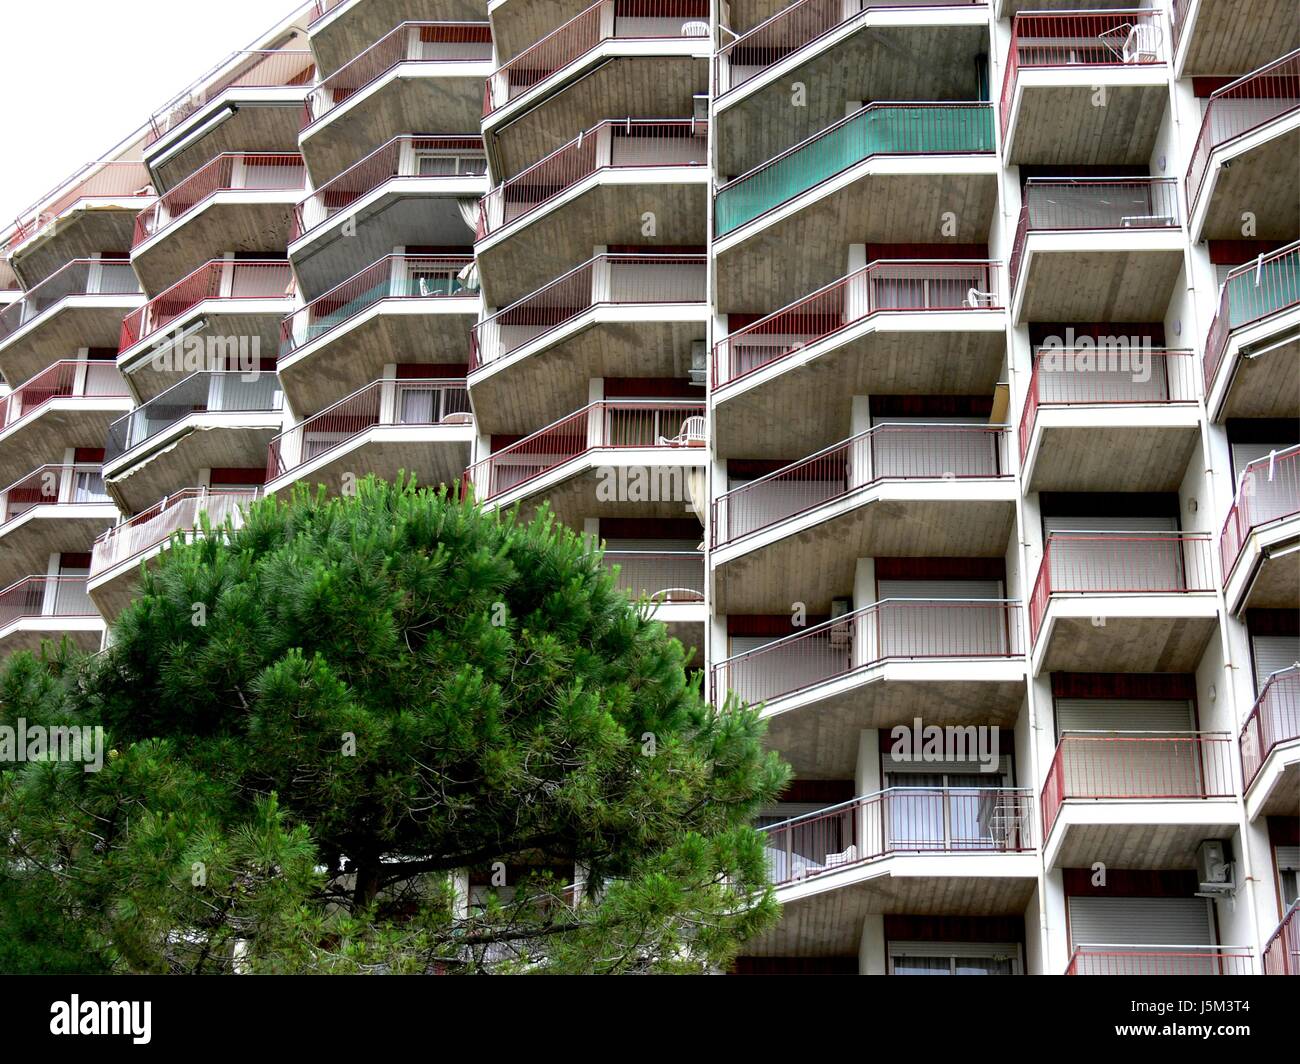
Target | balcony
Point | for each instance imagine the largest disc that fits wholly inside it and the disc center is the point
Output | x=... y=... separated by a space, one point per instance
x=80 y=305
x=54 y=509
x=224 y=315
x=421 y=75
x=37 y=609
x=1216 y=36
x=598 y=189
x=1252 y=351
x=873 y=176
x=210 y=420
x=1260 y=544
x=1058 y=64
x=1120 y=417
x=403 y=305
x=239 y=202
x=340 y=30
x=905 y=489
x=614 y=457
x=1108 y=249
x=421 y=427
x=1282 y=951
x=67 y=404
x=1136 y=799
x=1243 y=156
x=615 y=315
x=1270 y=748
x=250 y=102
x=414 y=191
x=85 y=214
x=119 y=551
x=672 y=582
x=1160 y=960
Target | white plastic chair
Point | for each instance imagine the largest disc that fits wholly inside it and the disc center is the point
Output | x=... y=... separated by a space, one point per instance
x=692 y=434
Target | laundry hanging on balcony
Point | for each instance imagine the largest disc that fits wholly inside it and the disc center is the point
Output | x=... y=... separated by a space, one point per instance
x=469 y=208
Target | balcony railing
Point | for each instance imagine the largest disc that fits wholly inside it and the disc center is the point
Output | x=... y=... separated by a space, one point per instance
x=888 y=285
x=608 y=424
x=798 y=27
x=402 y=157
x=889 y=630
x=606 y=280
x=52 y=485
x=898 y=820
x=45 y=596
x=1137 y=766
x=229 y=172
x=1106 y=376
x=603 y=21
x=1269 y=490
x=1072 y=204
x=101 y=180
x=70 y=379
x=207 y=392
x=625 y=143
x=223 y=279
x=1159 y=960
x=910 y=451
x=1239 y=108
x=252 y=69
x=175 y=513
x=1282 y=951
x=1275 y=719
x=393 y=277
x=80 y=277
x=411 y=42
x=1044 y=40
x=1251 y=293
x=323 y=8
x=660 y=576
x=1120 y=563
x=385 y=402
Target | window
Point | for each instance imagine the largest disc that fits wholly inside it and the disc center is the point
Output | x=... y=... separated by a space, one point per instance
x=954 y=958
x=449 y=164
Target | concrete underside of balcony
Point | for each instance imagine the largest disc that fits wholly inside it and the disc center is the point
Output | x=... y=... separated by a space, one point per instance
x=114 y=590
x=1056 y=120
x=1008 y=8
x=519 y=24
x=84 y=633
x=1276 y=790
x=1230 y=37
x=352 y=27
x=822 y=916
x=28 y=540
x=1111 y=448
x=241 y=221
x=178 y=456
x=1254 y=173
x=434 y=454
x=1144 y=632
x=543 y=381
x=803 y=244
x=405 y=212
x=46 y=434
x=1260 y=372
x=261 y=120
x=429 y=331
x=425 y=98
x=1130 y=833
x=92 y=227
x=804 y=401
x=605 y=208
x=811 y=558
x=1110 y=276
x=1267 y=572
x=79 y=321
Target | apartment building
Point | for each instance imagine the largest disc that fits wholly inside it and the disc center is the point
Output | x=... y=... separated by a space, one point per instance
x=932 y=367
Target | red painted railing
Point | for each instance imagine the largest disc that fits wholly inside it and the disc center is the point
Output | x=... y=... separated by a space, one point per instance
x=884 y=452
x=1282 y=951
x=45 y=596
x=323 y=8
x=1249 y=294
x=229 y=172
x=224 y=279
x=1120 y=563
x=1137 y=766
x=1269 y=490
x=1106 y=375
x=52 y=485
x=625 y=143
x=386 y=402
x=109 y=179
x=900 y=820
x=1241 y=107
x=410 y=42
x=1159 y=960
x=178 y=512
x=80 y=277
x=608 y=424
x=393 y=277
x=1087 y=39
x=69 y=379
x=408 y=157
x=890 y=630
x=885 y=286
x=604 y=20
x=1274 y=719
x=605 y=280
x=661 y=576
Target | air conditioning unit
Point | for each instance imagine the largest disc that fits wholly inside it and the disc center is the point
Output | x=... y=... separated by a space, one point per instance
x=1213 y=869
x=699 y=362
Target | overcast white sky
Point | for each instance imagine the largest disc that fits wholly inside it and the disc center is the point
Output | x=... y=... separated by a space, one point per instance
x=77 y=76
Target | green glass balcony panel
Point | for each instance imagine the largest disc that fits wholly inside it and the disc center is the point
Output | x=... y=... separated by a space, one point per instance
x=1257 y=292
